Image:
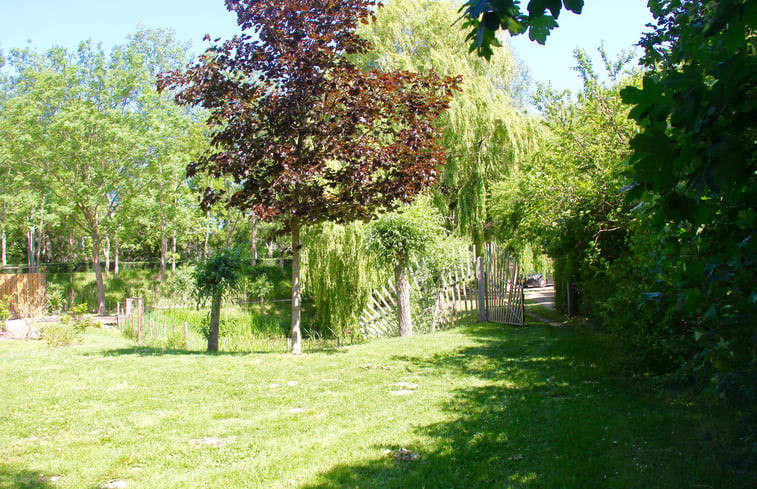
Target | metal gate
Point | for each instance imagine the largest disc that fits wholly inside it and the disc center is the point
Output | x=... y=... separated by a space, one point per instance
x=500 y=291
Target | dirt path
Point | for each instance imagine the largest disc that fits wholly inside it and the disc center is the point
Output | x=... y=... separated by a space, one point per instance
x=543 y=296
x=19 y=328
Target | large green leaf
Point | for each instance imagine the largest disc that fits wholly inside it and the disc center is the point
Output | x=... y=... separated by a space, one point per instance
x=574 y=5
x=540 y=27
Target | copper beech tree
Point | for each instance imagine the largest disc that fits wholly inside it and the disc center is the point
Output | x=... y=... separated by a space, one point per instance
x=306 y=135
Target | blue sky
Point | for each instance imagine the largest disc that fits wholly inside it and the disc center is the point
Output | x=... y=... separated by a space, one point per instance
x=619 y=23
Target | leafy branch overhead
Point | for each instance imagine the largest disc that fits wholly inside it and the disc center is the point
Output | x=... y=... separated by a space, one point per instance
x=302 y=131
x=483 y=18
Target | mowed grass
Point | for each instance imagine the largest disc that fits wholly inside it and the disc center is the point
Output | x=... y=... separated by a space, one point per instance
x=482 y=406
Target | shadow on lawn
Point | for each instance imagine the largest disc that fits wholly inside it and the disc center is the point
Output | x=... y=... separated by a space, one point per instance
x=550 y=412
x=15 y=478
x=146 y=351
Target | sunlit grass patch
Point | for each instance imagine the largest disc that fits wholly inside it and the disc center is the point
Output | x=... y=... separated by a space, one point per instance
x=486 y=406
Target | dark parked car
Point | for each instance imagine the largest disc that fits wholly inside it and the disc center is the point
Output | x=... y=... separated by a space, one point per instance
x=535 y=280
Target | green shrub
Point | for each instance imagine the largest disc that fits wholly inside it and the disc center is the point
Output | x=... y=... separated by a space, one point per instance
x=5 y=313
x=61 y=334
x=80 y=322
x=56 y=301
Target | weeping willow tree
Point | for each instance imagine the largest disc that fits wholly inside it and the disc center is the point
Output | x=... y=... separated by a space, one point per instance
x=485 y=135
x=339 y=275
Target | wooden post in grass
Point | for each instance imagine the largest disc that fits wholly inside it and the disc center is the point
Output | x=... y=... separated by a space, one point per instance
x=140 y=304
x=481 y=289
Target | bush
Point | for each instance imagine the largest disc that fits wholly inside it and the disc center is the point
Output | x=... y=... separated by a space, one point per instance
x=56 y=301
x=79 y=322
x=61 y=334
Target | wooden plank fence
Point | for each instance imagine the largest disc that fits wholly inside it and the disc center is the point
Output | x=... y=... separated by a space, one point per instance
x=25 y=294
x=485 y=288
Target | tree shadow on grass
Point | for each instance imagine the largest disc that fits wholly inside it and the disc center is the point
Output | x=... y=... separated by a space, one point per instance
x=551 y=408
x=146 y=351
x=16 y=478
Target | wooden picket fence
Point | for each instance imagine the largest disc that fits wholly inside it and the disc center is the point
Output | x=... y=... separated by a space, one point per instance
x=24 y=293
x=486 y=288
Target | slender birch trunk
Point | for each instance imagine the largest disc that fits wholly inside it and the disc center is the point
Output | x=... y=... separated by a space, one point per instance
x=173 y=252
x=115 y=256
x=296 y=289
x=254 y=241
x=98 y=274
x=107 y=256
x=402 y=289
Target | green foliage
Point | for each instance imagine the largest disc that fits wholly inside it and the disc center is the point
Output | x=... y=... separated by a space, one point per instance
x=79 y=321
x=5 y=311
x=568 y=201
x=339 y=276
x=484 y=135
x=83 y=133
x=180 y=285
x=483 y=18
x=70 y=330
x=220 y=272
x=214 y=278
x=695 y=172
x=61 y=334
x=260 y=286
x=397 y=236
x=56 y=299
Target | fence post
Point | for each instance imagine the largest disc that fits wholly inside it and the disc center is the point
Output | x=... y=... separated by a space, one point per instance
x=140 y=310
x=481 y=277
x=571 y=299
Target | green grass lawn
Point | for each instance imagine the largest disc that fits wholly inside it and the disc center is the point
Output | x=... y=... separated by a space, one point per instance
x=482 y=406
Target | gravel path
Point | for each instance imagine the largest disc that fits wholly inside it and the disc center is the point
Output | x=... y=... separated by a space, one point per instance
x=17 y=329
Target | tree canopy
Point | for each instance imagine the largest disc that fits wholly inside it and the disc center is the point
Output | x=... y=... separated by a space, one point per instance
x=484 y=132
x=695 y=169
x=306 y=135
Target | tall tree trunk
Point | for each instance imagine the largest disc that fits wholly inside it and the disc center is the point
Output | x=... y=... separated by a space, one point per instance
x=107 y=256
x=71 y=291
x=163 y=253
x=206 y=247
x=30 y=249
x=402 y=289
x=215 y=321
x=98 y=274
x=71 y=256
x=296 y=289
x=39 y=237
x=115 y=255
x=173 y=252
x=253 y=241
x=3 y=248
